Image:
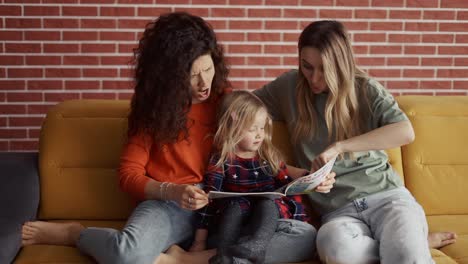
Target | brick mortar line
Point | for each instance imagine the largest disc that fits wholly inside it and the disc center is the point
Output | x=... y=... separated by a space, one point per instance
x=251 y=18
x=228 y=6
x=290 y=43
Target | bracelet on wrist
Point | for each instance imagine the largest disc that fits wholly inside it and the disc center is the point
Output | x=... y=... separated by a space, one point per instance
x=168 y=189
x=162 y=193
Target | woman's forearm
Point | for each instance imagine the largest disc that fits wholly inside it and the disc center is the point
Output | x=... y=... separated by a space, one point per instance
x=386 y=137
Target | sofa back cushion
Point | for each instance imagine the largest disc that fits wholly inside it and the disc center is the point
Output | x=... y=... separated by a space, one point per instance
x=79 y=152
x=80 y=146
x=436 y=163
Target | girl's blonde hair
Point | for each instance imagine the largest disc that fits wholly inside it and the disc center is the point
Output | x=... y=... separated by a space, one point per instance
x=237 y=114
x=347 y=99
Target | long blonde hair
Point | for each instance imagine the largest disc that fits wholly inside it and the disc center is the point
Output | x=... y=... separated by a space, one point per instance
x=347 y=84
x=237 y=113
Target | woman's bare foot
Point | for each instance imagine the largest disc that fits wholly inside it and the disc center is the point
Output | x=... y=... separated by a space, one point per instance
x=441 y=239
x=40 y=232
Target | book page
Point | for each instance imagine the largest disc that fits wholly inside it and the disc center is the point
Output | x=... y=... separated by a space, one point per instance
x=307 y=184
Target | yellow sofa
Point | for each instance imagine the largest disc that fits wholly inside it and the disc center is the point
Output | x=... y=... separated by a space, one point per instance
x=81 y=141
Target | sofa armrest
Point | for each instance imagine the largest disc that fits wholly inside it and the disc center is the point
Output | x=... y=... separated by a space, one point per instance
x=19 y=199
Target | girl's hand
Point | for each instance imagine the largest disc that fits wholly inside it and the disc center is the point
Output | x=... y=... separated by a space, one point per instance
x=198 y=246
x=188 y=196
x=327 y=184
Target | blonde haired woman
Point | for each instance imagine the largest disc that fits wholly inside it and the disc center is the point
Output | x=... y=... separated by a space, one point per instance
x=245 y=161
x=334 y=109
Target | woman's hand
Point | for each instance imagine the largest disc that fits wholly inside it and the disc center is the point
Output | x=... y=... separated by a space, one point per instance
x=327 y=184
x=328 y=154
x=188 y=196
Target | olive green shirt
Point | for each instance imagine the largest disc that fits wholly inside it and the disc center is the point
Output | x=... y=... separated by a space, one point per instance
x=368 y=172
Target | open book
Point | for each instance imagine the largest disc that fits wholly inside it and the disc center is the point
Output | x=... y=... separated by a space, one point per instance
x=302 y=185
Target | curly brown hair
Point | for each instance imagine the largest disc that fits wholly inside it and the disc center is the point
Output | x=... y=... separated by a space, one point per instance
x=163 y=60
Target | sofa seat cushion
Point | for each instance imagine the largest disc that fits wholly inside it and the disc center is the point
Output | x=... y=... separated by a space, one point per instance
x=440 y=258
x=51 y=254
x=457 y=224
x=64 y=254
x=59 y=254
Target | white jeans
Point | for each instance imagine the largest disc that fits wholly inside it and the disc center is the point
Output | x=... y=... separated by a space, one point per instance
x=389 y=227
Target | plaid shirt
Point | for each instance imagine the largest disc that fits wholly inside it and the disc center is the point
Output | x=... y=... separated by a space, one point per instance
x=248 y=175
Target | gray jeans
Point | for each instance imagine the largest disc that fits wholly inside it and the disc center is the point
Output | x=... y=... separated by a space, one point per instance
x=389 y=227
x=156 y=225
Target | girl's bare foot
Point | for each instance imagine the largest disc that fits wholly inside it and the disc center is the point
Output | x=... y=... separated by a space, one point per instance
x=179 y=255
x=39 y=232
x=175 y=251
x=166 y=259
x=173 y=255
x=441 y=239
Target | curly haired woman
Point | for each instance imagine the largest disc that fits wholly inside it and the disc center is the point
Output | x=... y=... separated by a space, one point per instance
x=180 y=76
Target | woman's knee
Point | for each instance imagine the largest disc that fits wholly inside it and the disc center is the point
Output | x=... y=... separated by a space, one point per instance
x=296 y=227
x=344 y=242
x=145 y=236
x=292 y=236
x=125 y=249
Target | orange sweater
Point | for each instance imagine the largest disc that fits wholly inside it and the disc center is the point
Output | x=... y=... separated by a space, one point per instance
x=181 y=162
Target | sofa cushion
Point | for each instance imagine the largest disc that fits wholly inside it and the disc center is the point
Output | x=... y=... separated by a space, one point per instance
x=81 y=142
x=436 y=163
x=51 y=254
x=440 y=258
x=79 y=148
x=19 y=198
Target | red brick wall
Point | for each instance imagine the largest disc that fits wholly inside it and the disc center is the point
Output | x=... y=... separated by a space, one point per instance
x=54 y=50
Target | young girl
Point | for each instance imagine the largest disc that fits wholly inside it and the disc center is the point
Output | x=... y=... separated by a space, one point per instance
x=245 y=161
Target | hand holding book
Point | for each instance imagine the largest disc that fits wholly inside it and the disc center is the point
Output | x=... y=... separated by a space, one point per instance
x=308 y=183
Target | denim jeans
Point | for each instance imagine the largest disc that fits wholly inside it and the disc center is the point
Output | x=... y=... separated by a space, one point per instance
x=156 y=225
x=389 y=227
